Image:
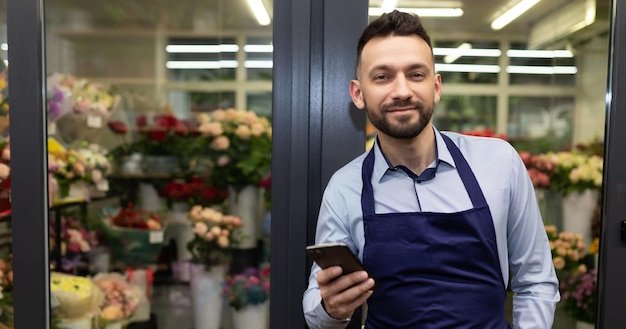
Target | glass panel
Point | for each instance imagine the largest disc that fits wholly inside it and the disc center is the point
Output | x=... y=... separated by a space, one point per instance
x=549 y=67
x=541 y=124
x=465 y=113
x=259 y=58
x=130 y=88
x=467 y=61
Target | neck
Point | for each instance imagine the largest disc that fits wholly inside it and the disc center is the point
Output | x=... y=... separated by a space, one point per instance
x=416 y=153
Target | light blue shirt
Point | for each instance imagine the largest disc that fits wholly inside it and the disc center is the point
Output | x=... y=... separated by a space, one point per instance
x=523 y=247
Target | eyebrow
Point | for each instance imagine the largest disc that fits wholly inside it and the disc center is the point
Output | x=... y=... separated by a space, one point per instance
x=384 y=67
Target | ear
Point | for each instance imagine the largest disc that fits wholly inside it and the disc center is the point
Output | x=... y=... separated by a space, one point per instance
x=357 y=94
x=438 y=87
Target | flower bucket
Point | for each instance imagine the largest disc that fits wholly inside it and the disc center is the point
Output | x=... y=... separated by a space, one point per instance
x=180 y=229
x=584 y=325
x=578 y=210
x=161 y=164
x=81 y=323
x=246 y=205
x=251 y=316
x=206 y=295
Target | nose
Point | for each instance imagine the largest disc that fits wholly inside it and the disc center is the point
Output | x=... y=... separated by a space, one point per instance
x=402 y=88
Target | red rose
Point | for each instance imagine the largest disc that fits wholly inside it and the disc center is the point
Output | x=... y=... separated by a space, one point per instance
x=118 y=127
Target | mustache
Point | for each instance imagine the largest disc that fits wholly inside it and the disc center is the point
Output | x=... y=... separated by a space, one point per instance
x=403 y=103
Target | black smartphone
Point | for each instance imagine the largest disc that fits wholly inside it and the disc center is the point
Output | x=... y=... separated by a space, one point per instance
x=335 y=254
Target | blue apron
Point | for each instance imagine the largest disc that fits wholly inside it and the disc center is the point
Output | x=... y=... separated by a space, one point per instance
x=434 y=270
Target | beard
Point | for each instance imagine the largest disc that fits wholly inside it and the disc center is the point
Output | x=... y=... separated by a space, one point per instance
x=404 y=129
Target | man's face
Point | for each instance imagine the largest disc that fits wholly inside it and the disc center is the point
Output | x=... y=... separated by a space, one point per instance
x=397 y=85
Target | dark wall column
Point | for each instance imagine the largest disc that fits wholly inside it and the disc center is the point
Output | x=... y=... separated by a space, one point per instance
x=29 y=187
x=316 y=130
x=612 y=269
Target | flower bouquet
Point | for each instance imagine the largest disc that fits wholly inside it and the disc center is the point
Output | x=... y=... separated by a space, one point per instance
x=568 y=252
x=6 y=291
x=192 y=191
x=240 y=143
x=251 y=287
x=215 y=236
x=5 y=177
x=74 y=244
x=83 y=163
x=573 y=171
x=78 y=109
x=134 y=235
x=579 y=295
x=121 y=299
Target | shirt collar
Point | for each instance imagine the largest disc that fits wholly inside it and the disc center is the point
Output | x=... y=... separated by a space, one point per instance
x=382 y=165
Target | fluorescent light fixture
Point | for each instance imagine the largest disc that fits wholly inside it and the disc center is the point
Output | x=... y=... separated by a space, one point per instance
x=212 y=65
x=467 y=68
x=513 y=13
x=458 y=52
x=423 y=12
x=388 y=5
x=195 y=65
x=258 y=64
x=474 y=52
x=542 y=69
x=539 y=53
x=259 y=11
x=202 y=48
x=258 y=48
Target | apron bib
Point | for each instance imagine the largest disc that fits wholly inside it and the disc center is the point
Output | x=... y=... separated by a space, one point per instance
x=434 y=270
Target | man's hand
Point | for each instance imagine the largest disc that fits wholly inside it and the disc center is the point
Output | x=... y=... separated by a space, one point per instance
x=342 y=294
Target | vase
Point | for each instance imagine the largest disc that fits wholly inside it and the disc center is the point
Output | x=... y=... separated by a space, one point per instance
x=206 y=295
x=181 y=231
x=99 y=260
x=161 y=164
x=246 y=205
x=114 y=325
x=149 y=198
x=584 y=325
x=578 y=209
x=82 y=323
x=550 y=206
x=251 y=316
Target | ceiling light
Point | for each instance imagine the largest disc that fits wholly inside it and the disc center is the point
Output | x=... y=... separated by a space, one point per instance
x=258 y=48
x=539 y=53
x=458 y=52
x=475 y=52
x=201 y=64
x=259 y=11
x=423 y=12
x=542 y=69
x=513 y=13
x=467 y=68
x=202 y=48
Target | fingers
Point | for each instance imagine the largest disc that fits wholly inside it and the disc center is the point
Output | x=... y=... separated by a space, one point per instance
x=342 y=294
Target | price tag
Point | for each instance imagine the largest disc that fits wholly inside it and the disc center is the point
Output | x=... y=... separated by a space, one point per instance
x=94 y=121
x=102 y=185
x=52 y=128
x=156 y=237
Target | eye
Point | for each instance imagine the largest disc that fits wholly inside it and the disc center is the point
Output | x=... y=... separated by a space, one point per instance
x=380 y=77
x=417 y=75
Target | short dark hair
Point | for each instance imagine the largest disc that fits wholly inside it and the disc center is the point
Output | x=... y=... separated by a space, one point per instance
x=393 y=23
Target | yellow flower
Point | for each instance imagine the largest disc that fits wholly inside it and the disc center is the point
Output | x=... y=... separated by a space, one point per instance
x=54 y=147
